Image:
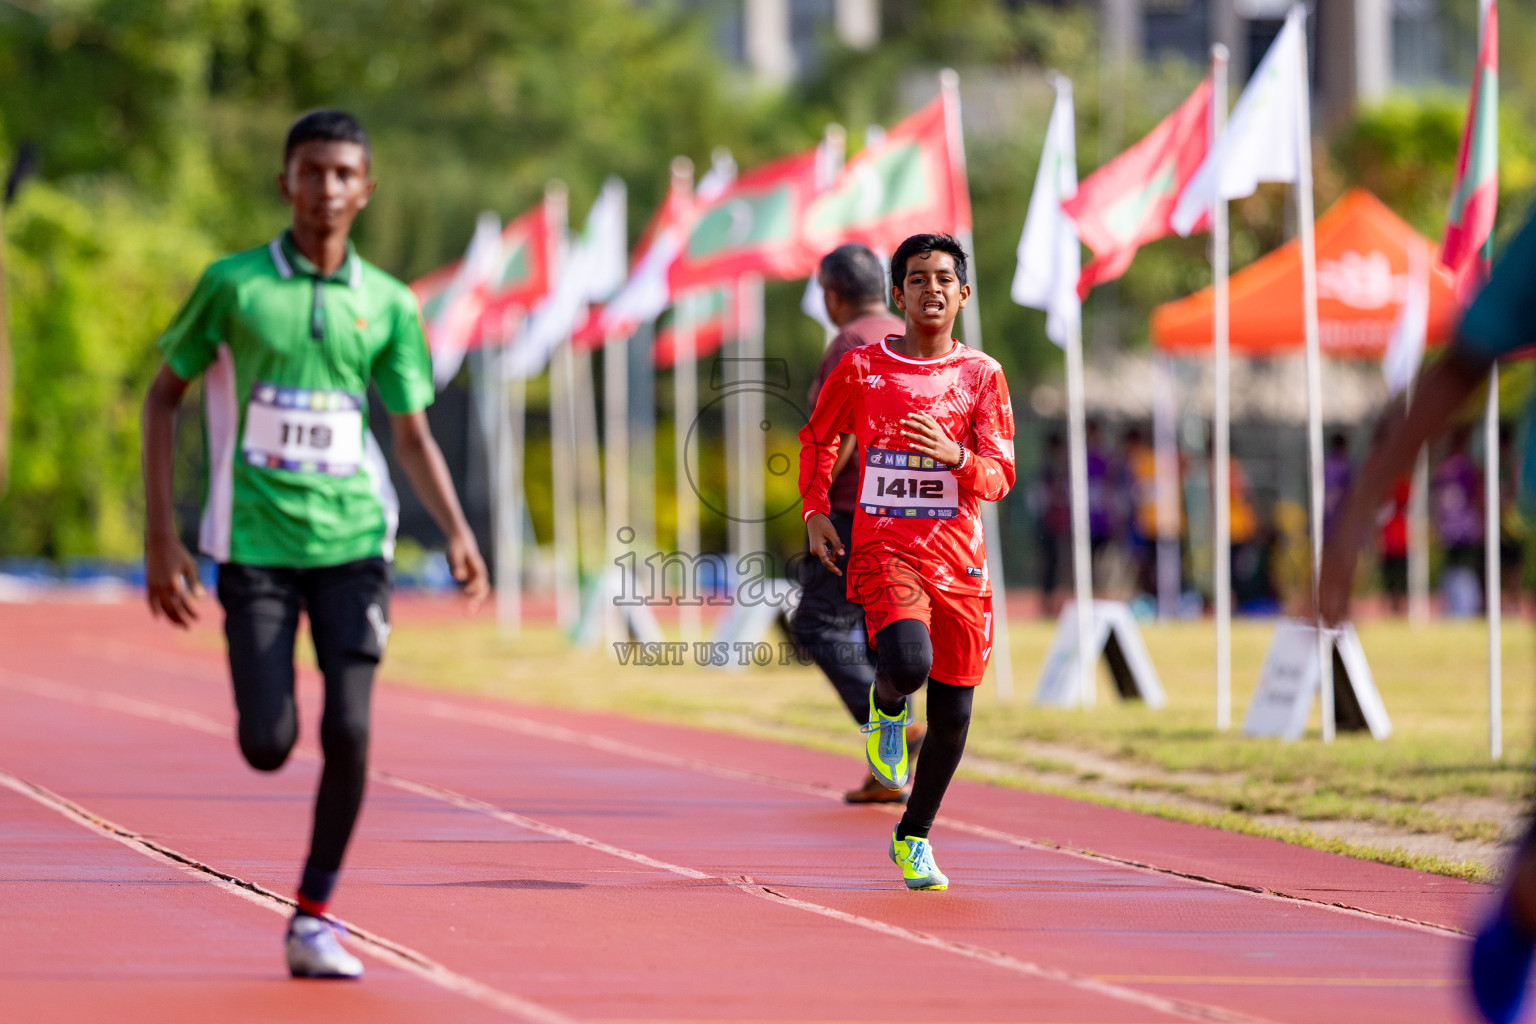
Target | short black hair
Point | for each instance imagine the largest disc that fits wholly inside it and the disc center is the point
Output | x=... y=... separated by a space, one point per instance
x=853 y=272
x=326 y=126
x=919 y=244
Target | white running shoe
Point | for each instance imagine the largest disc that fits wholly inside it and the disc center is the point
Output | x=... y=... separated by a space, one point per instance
x=315 y=952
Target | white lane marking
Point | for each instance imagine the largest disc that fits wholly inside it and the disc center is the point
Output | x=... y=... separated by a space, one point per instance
x=1177 y=1007
x=469 y=803
x=385 y=950
x=562 y=734
x=1174 y=1007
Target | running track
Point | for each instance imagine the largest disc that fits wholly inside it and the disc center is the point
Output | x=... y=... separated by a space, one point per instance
x=521 y=863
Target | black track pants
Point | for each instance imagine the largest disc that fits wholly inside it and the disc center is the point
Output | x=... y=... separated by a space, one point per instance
x=348 y=609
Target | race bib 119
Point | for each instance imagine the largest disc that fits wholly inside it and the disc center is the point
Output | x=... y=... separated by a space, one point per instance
x=304 y=430
x=908 y=485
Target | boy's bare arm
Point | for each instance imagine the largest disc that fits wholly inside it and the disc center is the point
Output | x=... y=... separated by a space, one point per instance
x=170 y=572
x=1439 y=393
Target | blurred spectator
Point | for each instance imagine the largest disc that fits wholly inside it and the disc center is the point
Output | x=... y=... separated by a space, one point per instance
x=1141 y=487
x=1050 y=504
x=1253 y=588
x=1101 y=491
x=1392 y=545
x=1338 y=474
x=1293 y=554
x=1456 y=491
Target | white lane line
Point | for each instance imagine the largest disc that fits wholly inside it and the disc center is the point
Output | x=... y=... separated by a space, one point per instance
x=1173 y=1007
x=1178 y=1007
x=562 y=734
x=377 y=946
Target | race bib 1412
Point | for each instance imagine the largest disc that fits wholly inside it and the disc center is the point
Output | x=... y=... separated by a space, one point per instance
x=908 y=485
x=304 y=430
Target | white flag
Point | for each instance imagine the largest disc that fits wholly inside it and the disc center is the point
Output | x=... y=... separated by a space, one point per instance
x=1260 y=142
x=1050 y=255
x=814 y=305
x=449 y=331
x=647 y=293
x=591 y=272
x=1405 y=349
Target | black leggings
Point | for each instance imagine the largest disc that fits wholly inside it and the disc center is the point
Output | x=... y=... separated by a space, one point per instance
x=903 y=656
x=348 y=607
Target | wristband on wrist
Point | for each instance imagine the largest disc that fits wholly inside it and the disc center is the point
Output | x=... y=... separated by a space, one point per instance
x=965 y=456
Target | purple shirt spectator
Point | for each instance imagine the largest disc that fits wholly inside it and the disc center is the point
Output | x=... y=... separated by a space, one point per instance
x=866 y=330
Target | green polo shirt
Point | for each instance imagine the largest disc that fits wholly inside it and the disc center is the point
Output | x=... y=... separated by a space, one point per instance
x=295 y=478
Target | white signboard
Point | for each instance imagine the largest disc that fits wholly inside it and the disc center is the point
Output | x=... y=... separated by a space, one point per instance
x=1117 y=639
x=1290 y=681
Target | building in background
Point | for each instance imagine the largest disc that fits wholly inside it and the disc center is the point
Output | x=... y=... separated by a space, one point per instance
x=1361 y=49
x=778 y=40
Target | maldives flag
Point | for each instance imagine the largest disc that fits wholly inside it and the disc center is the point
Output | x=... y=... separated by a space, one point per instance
x=713 y=314
x=521 y=276
x=1475 y=193
x=1129 y=201
x=910 y=182
x=645 y=294
x=432 y=290
x=751 y=228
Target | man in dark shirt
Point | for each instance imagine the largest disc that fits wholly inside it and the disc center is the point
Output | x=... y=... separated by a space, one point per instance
x=828 y=626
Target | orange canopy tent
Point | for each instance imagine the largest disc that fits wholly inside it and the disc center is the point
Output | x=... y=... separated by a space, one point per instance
x=1362 y=280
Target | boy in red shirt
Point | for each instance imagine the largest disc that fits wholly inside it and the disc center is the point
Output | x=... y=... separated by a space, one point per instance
x=934 y=430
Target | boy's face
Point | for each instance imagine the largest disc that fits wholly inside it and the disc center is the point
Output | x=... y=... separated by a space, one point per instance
x=930 y=293
x=327 y=184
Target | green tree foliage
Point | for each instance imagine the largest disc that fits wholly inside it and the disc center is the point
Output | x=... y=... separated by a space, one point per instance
x=92 y=275
x=159 y=127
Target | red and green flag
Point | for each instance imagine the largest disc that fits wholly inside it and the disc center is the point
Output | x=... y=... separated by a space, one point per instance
x=519 y=278
x=752 y=228
x=912 y=181
x=432 y=290
x=1130 y=201
x=712 y=313
x=1475 y=191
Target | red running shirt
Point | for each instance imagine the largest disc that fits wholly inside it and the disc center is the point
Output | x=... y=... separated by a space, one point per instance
x=912 y=511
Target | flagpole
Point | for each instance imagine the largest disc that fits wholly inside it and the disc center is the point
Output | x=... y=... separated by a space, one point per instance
x=970 y=325
x=1165 y=446
x=510 y=601
x=507 y=508
x=616 y=476
x=752 y=436
x=1304 y=213
x=1221 y=466
x=563 y=480
x=1493 y=585
x=562 y=432
x=1418 y=541
x=589 y=489
x=685 y=409
x=1082 y=569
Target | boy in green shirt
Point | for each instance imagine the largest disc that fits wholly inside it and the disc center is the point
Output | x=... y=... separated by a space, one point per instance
x=300 y=510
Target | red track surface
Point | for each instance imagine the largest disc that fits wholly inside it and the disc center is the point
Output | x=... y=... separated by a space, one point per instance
x=527 y=863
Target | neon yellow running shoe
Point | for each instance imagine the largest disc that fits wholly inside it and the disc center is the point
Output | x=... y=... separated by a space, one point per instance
x=885 y=745
x=915 y=858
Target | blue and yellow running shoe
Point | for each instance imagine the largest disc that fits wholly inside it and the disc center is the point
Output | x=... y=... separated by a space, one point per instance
x=885 y=744
x=915 y=858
